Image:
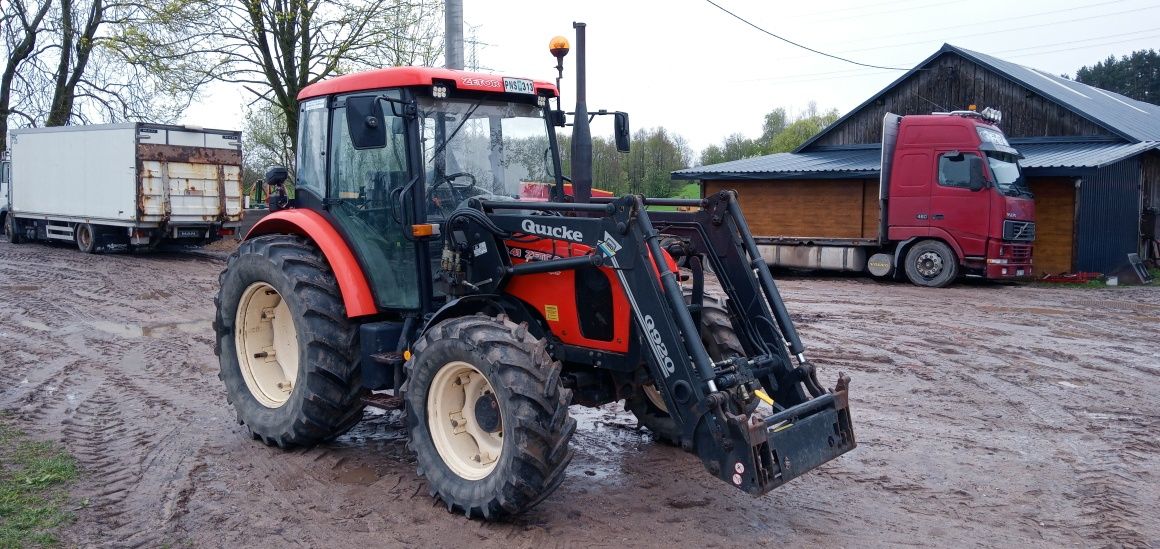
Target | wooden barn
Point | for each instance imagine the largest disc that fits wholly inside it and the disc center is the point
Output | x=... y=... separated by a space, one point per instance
x=1092 y=159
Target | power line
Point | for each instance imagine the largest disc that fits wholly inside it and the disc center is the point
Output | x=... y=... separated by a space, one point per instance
x=791 y=42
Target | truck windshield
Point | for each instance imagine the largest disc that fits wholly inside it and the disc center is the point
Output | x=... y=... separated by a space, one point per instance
x=1007 y=175
x=481 y=147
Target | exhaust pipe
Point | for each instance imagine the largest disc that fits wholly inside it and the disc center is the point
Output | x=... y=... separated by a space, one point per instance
x=581 y=133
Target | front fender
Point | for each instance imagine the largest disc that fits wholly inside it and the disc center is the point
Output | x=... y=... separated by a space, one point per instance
x=488 y=304
x=352 y=282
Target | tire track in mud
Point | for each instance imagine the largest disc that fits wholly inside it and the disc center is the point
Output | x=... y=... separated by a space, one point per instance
x=107 y=448
x=1110 y=479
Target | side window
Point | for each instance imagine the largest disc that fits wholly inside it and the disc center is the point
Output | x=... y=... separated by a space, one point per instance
x=366 y=174
x=955 y=170
x=312 y=147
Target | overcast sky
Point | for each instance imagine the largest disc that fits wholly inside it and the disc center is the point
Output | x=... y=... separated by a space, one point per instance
x=687 y=66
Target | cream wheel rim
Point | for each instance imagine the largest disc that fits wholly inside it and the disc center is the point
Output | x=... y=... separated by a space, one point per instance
x=267 y=345
x=654 y=396
x=465 y=421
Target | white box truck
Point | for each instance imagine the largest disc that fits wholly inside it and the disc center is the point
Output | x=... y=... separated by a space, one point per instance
x=134 y=185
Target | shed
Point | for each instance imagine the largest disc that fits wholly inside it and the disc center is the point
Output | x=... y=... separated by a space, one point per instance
x=1092 y=157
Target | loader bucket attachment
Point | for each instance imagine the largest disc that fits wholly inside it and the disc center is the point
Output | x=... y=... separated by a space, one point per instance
x=785 y=445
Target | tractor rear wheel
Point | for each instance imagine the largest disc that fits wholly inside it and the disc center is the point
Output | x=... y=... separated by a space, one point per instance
x=647 y=403
x=286 y=349
x=487 y=417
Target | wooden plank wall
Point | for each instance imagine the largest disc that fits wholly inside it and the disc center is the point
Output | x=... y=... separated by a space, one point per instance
x=840 y=208
x=953 y=82
x=871 y=213
x=1054 y=224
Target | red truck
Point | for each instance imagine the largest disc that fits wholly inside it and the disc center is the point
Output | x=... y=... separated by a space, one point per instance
x=951 y=201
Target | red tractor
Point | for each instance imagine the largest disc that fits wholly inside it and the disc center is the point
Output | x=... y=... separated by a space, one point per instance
x=406 y=262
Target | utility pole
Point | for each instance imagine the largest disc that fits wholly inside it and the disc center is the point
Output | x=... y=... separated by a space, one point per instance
x=453 y=12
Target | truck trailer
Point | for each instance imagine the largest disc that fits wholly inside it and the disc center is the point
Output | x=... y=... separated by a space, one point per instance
x=950 y=201
x=134 y=185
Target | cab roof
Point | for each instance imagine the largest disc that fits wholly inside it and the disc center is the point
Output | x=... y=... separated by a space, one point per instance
x=395 y=77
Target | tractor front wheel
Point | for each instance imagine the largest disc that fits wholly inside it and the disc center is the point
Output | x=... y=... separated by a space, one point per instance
x=647 y=403
x=288 y=355
x=487 y=418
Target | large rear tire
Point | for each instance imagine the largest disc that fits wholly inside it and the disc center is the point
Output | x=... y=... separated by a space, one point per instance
x=287 y=352
x=487 y=418
x=647 y=403
x=932 y=264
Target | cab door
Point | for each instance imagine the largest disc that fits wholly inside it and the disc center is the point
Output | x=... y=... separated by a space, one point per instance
x=959 y=200
x=368 y=171
x=909 y=202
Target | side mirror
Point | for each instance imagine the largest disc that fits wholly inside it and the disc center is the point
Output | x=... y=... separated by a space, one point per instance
x=558 y=118
x=364 y=122
x=276 y=175
x=978 y=174
x=621 y=132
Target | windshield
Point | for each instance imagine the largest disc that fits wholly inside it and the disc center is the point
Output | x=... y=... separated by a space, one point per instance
x=1007 y=175
x=473 y=148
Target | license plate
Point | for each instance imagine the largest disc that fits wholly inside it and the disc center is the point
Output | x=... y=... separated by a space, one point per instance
x=1019 y=272
x=188 y=233
x=518 y=85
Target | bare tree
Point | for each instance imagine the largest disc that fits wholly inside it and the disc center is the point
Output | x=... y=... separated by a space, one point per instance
x=21 y=28
x=74 y=70
x=278 y=47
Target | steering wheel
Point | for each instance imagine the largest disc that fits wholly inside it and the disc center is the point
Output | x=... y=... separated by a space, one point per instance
x=456 y=190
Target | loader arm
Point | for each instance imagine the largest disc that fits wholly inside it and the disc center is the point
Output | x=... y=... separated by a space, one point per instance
x=712 y=403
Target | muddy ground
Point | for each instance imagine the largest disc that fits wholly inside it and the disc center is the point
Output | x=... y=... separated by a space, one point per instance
x=986 y=415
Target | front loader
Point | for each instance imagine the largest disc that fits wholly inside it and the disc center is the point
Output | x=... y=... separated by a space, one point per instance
x=407 y=262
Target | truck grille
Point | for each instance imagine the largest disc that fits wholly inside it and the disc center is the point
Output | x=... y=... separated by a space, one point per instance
x=1018 y=253
x=1018 y=230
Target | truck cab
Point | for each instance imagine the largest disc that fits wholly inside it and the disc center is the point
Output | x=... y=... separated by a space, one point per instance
x=952 y=179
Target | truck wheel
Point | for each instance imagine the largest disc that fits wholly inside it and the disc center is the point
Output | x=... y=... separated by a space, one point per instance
x=286 y=350
x=932 y=264
x=11 y=230
x=86 y=238
x=647 y=403
x=487 y=418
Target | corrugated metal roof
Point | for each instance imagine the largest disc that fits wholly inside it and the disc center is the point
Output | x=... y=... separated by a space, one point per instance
x=1131 y=119
x=1079 y=155
x=808 y=165
x=1125 y=117
x=865 y=162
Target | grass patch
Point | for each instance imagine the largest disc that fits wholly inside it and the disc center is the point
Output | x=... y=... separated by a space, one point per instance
x=692 y=190
x=33 y=477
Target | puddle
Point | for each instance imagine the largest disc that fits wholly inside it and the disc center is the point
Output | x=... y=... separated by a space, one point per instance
x=156 y=329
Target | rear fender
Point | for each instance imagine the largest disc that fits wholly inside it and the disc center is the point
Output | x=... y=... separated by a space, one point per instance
x=352 y=282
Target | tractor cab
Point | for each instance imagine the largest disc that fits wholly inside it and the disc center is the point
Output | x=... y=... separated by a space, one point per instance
x=386 y=155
